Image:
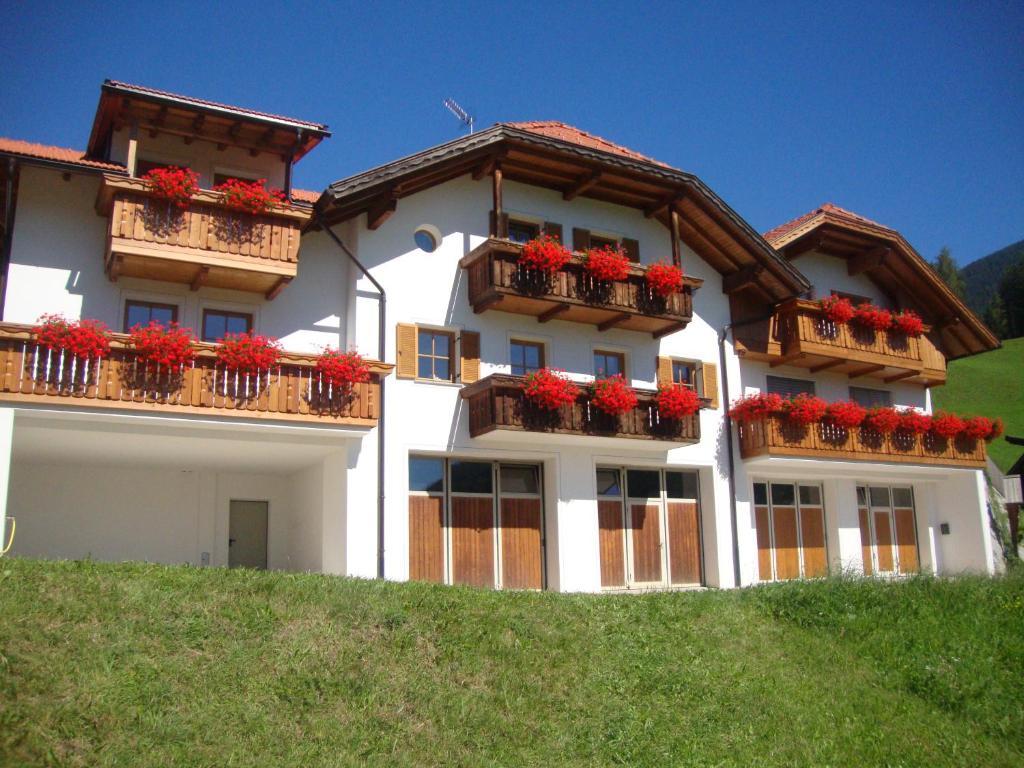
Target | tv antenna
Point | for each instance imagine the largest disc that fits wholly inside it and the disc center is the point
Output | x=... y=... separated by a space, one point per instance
x=464 y=117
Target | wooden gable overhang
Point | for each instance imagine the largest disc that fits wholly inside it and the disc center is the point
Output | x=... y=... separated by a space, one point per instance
x=677 y=199
x=123 y=105
x=899 y=271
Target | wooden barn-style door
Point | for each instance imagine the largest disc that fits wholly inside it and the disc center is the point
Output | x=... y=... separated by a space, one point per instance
x=649 y=528
x=476 y=522
x=888 y=529
x=790 y=523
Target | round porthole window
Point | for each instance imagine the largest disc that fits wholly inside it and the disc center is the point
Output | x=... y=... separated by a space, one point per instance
x=427 y=238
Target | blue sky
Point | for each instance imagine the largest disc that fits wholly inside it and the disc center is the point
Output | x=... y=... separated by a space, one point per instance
x=908 y=113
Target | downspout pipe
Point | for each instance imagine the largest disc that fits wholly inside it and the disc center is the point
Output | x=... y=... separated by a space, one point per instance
x=381 y=315
x=10 y=193
x=732 y=461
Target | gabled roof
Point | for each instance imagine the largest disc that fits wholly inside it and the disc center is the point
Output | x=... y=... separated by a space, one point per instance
x=885 y=256
x=576 y=163
x=54 y=155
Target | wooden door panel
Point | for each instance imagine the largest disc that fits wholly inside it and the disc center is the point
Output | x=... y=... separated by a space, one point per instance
x=684 y=542
x=521 y=544
x=883 y=541
x=472 y=528
x=812 y=532
x=787 y=555
x=865 y=541
x=764 y=543
x=906 y=540
x=613 y=543
x=645 y=521
x=426 y=538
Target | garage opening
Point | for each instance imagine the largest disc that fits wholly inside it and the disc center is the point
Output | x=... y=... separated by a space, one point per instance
x=790 y=523
x=888 y=529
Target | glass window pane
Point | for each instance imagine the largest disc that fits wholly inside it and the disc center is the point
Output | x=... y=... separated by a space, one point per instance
x=761 y=494
x=522 y=231
x=871 y=398
x=424 y=368
x=441 y=341
x=214 y=326
x=780 y=385
x=138 y=314
x=862 y=496
x=608 y=482
x=643 y=483
x=681 y=485
x=162 y=314
x=519 y=479
x=902 y=497
x=783 y=495
x=810 y=495
x=426 y=474
x=532 y=356
x=425 y=342
x=879 y=496
x=471 y=477
x=682 y=373
x=237 y=324
x=441 y=369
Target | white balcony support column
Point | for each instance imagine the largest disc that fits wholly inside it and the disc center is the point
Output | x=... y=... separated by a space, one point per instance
x=6 y=440
x=360 y=494
x=335 y=517
x=842 y=526
x=575 y=525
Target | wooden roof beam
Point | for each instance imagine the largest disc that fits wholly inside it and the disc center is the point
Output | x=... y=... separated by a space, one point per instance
x=381 y=211
x=613 y=321
x=801 y=246
x=582 y=185
x=865 y=371
x=900 y=376
x=197 y=124
x=741 y=278
x=551 y=314
x=827 y=365
x=673 y=200
x=868 y=260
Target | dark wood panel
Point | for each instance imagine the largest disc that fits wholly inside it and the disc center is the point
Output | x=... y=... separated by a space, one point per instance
x=426 y=538
x=613 y=545
x=645 y=521
x=812 y=532
x=865 y=541
x=906 y=540
x=472 y=528
x=883 y=541
x=787 y=555
x=684 y=542
x=521 y=544
x=762 y=522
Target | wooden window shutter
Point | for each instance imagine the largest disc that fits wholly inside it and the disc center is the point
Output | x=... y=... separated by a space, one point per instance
x=554 y=230
x=632 y=249
x=469 y=351
x=709 y=372
x=499 y=228
x=580 y=239
x=405 y=367
x=664 y=370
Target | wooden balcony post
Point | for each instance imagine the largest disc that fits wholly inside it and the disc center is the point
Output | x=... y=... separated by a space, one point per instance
x=674 y=230
x=498 y=227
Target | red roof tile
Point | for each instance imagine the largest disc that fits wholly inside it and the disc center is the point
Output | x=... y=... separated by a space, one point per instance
x=206 y=103
x=828 y=209
x=558 y=130
x=57 y=154
x=305 y=195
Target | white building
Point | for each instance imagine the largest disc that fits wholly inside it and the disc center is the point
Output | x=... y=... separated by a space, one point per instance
x=438 y=471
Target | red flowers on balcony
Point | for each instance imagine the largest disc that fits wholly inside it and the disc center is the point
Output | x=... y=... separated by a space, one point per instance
x=545 y=254
x=676 y=401
x=837 y=309
x=804 y=409
x=606 y=263
x=841 y=311
x=84 y=339
x=755 y=407
x=664 y=279
x=549 y=390
x=164 y=348
x=882 y=420
x=871 y=317
x=613 y=396
x=173 y=184
x=845 y=414
x=249 y=196
x=908 y=323
x=342 y=369
x=915 y=422
x=947 y=425
x=246 y=353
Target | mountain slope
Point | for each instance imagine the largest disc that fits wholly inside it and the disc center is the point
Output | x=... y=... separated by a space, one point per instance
x=982 y=276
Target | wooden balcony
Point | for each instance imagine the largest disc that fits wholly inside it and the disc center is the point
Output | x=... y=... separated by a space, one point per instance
x=290 y=391
x=775 y=436
x=205 y=244
x=496 y=281
x=798 y=334
x=497 y=403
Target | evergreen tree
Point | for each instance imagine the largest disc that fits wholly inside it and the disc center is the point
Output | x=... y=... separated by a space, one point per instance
x=1011 y=291
x=995 y=317
x=947 y=269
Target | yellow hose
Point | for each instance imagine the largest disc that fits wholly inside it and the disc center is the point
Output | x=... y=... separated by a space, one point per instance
x=10 y=541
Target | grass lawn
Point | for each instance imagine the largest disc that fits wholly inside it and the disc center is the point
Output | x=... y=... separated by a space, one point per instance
x=143 y=665
x=991 y=384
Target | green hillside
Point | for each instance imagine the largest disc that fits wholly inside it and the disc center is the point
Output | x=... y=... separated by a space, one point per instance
x=991 y=384
x=140 y=665
x=981 y=277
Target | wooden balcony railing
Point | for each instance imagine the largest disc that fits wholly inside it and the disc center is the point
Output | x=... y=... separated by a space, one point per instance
x=799 y=334
x=497 y=403
x=496 y=281
x=776 y=436
x=289 y=391
x=205 y=244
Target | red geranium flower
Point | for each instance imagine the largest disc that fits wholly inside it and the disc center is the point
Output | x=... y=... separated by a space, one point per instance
x=754 y=407
x=544 y=253
x=613 y=396
x=607 y=263
x=908 y=323
x=947 y=425
x=85 y=339
x=163 y=347
x=997 y=429
x=342 y=369
x=549 y=389
x=837 y=309
x=915 y=422
x=176 y=185
x=978 y=428
x=247 y=353
x=804 y=409
x=847 y=414
x=249 y=196
x=884 y=420
x=664 y=279
x=677 y=400
x=870 y=316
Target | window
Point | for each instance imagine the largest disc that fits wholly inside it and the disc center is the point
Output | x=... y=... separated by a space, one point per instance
x=855 y=298
x=780 y=385
x=522 y=231
x=434 y=350
x=426 y=474
x=783 y=495
x=217 y=323
x=596 y=241
x=526 y=357
x=220 y=178
x=871 y=398
x=608 y=483
x=681 y=485
x=471 y=476
x=609 y=363
x=142 y=167
x=643 y=483
x=519 y=478
x=687 y=373
x=145 y=312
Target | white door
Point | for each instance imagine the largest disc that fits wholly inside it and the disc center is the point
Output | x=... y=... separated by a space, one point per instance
x=247 y=534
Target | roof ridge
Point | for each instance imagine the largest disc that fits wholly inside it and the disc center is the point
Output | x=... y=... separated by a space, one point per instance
x=53 y=152
x=824 y=209
x=570 y=133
